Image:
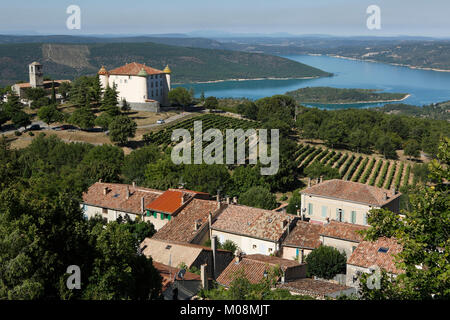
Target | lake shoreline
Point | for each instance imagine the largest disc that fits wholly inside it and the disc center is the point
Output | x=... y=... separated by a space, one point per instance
x=252 y=79
x=362 y=102
x=390 y=63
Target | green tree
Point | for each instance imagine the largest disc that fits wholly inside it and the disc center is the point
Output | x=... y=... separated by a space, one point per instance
x=180 y=96
x=125 y=106
x=21 y=119
x=245 y=177
x=103 y=120
x=211 y=103
x=206 y=178
x=163 y=174
x=103 y=162
x=53 y=96
x=295 y=202
x=121 y=128
x=386 y=147
x=83 y=118
x=64 y=89
x=259 y=197
x=317 y=170
x=50 y=114
x=136 y=162
x=412 y=149
x=326 y=262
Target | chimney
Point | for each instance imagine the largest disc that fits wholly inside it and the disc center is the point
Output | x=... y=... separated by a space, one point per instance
x=105 y=190
x=204 y=276
x=394 y=191
x=134 y=185
x=228 y=200
x=210 y=223
x=309 y=182
x=196 y=225
x=217 y=198
x=321 y=179
x=214 y=248
x=235 y=200
x=384 y=196
x=128 y=193
x=142 y=205
x=100 y=180
x=238 y=257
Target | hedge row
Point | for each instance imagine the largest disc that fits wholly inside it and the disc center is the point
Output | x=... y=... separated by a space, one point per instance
x=347 y=165
x=406 y=177
x=367 y=173
x=383 y=174
x=390 y=176
x=399 y=176
x=375 y=175
x=358 y=173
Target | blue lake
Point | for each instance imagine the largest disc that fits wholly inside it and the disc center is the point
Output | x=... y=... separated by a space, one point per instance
x=424 y=86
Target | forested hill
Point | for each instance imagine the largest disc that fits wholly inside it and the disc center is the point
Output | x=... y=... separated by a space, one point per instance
x=67 y=61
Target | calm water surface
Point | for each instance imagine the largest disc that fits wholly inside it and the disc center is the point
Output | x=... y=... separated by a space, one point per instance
x=424 y=86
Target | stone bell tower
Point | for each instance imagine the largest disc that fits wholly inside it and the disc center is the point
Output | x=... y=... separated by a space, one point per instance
x=36 y=75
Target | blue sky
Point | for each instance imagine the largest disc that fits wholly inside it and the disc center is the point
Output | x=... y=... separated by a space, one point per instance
x=336 y=17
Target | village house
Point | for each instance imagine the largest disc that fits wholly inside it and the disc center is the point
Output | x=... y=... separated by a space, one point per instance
x=301 y=240
x=172 y=201
x=114 y=200
x=36 y=75
x=317 y=288
x=192 y=223
x=253 y=230
x=345 y=201
x=143 y=87
x=179 y=283
x=371 y=254
x=174 y=254
x=342 y=235
x=256 y=267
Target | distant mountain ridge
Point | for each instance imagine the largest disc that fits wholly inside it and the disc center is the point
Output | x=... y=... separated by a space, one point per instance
x=188 y=64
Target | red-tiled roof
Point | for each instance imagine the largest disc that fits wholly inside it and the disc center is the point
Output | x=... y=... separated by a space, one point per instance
x=312 y=287
x=170 y=201
x=46 y=83
x=132 y=69
x=182 y=227
x=304 y=235
x=168 y=273
x=367 y=254
x=352 y=191
x=253 y=267
x=343 y=230
x=253 y=222
x=115 y=197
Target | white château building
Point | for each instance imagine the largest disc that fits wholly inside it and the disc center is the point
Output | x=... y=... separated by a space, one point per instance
x=143 y=87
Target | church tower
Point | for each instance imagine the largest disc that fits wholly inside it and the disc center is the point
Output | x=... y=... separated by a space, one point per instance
x=36 y=75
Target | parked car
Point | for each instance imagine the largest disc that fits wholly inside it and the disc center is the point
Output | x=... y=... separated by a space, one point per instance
x=34 y=127
x=65 y=127
x=160 y=121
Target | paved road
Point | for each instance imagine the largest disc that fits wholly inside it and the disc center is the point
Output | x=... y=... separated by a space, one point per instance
x=44 y=126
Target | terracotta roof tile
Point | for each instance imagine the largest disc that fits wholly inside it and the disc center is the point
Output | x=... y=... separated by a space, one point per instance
x=182 y=227
x=312 y=287
x=253 y=267
x=133 y=69
x=115 y=197
x=352 y=191
x=170 y=201
x=253 y=222
x=168 y=273
x=343 y=230
x=367 y=254
x=304 y=235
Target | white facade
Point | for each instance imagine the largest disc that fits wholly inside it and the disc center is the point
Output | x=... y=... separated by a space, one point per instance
x=320 y=208
x=109 y=214
x=138 y=88
x=247 y=245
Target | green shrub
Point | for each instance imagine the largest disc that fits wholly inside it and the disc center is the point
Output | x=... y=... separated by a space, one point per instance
x=326 y=262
